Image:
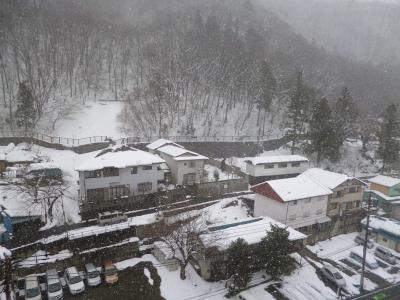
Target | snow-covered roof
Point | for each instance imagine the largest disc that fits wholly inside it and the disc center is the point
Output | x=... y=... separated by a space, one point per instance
x=40 y=166
x=180 y=153
x=385 y=224
x=119 y=157
x=393 y=200
x=20 y=155
x=328 y=179
x=385 y=180
x=252 y=230
x=290 y=189
x=276 y=159
x=161 y=142
x=165 y=249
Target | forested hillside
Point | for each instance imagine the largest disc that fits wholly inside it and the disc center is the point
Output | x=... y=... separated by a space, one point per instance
x=183 y=67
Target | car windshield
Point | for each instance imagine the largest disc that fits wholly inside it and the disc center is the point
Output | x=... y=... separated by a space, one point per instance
x=374 y=265
x=54 y=287
x=337 y=275
x=111 y=271
x=34 y=292
x=75 y=279
x=93 y=274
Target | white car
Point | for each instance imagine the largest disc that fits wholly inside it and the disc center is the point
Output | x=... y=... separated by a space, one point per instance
x=32 y=288
x=357 y=255
x=92 y=275
x=333 y=275
x=74 y=281
x=53 y=285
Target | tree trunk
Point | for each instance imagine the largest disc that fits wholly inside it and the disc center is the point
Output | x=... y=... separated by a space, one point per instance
x=182 y=272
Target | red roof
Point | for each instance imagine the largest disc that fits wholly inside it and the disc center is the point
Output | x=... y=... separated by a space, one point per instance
x=266 y=190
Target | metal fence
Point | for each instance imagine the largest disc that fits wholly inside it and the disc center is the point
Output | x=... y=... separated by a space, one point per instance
x=70 y=142
x=194 y=139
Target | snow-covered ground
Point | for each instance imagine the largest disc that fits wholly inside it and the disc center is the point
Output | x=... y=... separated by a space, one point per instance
x=92 y=119
x=210 y=171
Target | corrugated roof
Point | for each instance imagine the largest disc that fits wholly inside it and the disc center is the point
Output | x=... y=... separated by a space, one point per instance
x=276 y=159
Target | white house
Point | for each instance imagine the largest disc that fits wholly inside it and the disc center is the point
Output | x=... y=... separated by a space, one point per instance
x=347 y=191
x=297 y=202
x=187 y=167
x=262 y=168
x=119 y=172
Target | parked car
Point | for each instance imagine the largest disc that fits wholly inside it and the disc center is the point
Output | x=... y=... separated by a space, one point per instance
x=385 y=254
x=110 y=273
x=54 y=289
x=32 y=288
x=92 y=275
x=111 y=217
x=360 y=239
x=357 y=255
x=74 y=281
x=333 y=275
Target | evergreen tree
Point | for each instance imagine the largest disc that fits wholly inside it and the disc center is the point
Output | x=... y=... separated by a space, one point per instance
x=389 y=137
x=346 y=114
x=299 y=112
x=238 y=263
x=276 y=248
x=267 y=90
x=25 y=114
x=324 y=140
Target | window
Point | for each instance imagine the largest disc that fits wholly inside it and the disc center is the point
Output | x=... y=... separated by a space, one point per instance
x=306 y=214
x=134 y=170
x=110 y=172
x=118 y=191
x=333 y=205
x=307 y=200
x=319 y=211
x=189 y=178
x=94 y=195
x=93 y=174
x=145 y=187
x=147 y=167
x=269 y=166
x=353 y=189
x=357 y=203
x=339 y=194
x=293 y=203
x=192 y=164
x=282 y=165
x=292 y=217
x=296 y=164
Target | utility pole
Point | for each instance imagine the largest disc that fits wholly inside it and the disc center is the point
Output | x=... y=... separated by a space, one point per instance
x=365 y=244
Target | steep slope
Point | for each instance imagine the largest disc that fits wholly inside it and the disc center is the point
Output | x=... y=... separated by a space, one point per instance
x=182 y=67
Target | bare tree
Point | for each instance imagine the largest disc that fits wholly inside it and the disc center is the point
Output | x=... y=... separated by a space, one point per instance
x=182 y=236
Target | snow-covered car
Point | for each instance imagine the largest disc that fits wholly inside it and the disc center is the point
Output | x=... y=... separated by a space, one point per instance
x=360 y=240
x=32 y=288
x=74 y=281
x=54 y=289
x=385 y=254
x=333 y=275
x=92 y=275
x=110 y=273
x=357 y=255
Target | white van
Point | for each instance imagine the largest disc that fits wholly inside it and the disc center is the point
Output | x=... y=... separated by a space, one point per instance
x=53 y=285
x=32 y=288
x=357 y=255
x=74 y=281
x=111 y=217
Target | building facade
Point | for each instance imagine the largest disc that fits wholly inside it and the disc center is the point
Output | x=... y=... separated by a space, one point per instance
x=262 y=168
x=297 y=202
x=119 y=173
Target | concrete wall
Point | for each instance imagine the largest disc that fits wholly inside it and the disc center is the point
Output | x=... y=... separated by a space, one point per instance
x=306 y=211
x=260 y=170
x=125 y=178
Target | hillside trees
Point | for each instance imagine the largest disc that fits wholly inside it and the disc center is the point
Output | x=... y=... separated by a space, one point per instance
x=324 y=139
x=345 y=116
x=299 y=112
x=26 y=113
x=389 y=137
